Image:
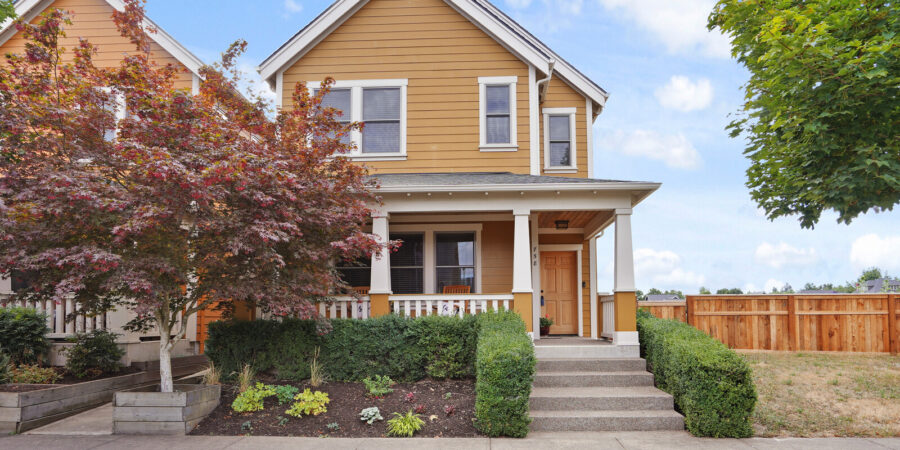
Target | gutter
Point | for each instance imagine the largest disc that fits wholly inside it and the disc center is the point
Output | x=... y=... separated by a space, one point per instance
x=522 y=187
x=543 y=84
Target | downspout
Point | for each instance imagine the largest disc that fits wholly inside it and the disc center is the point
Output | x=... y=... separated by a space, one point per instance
x=545 y=83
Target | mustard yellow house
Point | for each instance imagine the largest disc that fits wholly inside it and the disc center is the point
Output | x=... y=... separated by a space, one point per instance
x=480 y=137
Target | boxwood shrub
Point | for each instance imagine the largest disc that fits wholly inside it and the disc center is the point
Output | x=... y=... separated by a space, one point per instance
x=23 y=335
x=504 y=371
x=712 y=385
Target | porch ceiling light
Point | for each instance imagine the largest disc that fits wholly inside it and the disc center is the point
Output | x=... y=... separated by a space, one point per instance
x=562 y=224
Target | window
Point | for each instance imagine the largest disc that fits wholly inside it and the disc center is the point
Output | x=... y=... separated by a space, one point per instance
x=408 y=264
x=116 y=106
x=559 y=139
x=497 y=113
x=381 y=106
x=357 y=273
x=454 y=260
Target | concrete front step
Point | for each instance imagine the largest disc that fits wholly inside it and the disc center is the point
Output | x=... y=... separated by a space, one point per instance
x=544 y=351
x=589 y=379
x=589 y=365
x=599 y=399
x=614 y=420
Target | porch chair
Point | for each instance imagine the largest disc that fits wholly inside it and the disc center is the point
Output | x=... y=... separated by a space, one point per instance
x=452 y=308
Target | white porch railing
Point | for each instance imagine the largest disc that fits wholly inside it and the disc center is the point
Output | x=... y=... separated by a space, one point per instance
x=608 y=307
x=56 y=316
x=346 y=307
x=448 y=304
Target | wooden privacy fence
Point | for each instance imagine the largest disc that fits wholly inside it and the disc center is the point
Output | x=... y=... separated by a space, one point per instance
x=797 y=322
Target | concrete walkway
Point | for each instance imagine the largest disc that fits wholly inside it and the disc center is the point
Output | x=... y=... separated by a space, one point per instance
x=93 y=422
x=595 y=441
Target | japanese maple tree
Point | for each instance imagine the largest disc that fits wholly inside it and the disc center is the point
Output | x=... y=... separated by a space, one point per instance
x=176 y=200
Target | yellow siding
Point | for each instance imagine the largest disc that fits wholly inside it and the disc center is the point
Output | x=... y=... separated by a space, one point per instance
x=92 y=20
x=561 y=95
x=442 y=55
x=497 y=255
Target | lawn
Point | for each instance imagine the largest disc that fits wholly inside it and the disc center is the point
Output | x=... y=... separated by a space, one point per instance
x=826 y=394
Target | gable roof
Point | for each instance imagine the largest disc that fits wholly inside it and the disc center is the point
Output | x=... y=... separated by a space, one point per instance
x=29 y=9
x=482 y=13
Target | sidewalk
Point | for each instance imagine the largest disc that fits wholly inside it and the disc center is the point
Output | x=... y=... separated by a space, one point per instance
x=535 y=441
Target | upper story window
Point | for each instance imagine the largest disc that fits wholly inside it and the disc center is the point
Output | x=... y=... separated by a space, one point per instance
x=116 y=106
x=497 y=113
x=559 y=140
x=381 y=106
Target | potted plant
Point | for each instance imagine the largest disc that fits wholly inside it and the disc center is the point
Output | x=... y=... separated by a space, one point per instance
x=546 y=321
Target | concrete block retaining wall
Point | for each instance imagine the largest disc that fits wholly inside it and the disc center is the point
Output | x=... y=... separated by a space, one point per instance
x=177 y=413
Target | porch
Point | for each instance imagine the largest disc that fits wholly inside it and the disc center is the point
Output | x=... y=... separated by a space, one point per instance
x=476 y=242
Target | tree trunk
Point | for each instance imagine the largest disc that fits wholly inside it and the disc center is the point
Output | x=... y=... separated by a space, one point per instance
x=165 y=360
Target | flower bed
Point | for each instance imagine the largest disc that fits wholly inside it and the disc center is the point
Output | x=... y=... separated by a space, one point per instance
x=346 y=401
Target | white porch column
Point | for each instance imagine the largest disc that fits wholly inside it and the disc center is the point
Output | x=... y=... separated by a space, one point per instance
x=381 y=261
x=625 y=301
x=535 y=275
x=5 y=285
x=523 y=301
x=592 y=257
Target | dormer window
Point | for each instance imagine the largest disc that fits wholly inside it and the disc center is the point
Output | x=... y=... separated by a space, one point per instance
x=497 y=114
x=381 y=106
x=559 y=140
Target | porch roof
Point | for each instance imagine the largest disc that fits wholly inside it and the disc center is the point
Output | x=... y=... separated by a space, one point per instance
x=393 y=182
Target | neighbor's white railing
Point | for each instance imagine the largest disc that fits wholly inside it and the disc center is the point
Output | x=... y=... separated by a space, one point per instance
x=448 y=304
x=346 y=307
x=608 y=307
x=56 y=316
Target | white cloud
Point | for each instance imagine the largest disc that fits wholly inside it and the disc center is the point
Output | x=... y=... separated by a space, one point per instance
x=518 y=4
x=679 y=25
x=682 y=94
x=291 y=7
x=252 y=83
x=661 y=269
x=773 y=284
x=784 y=254
x=572 y=7
x=872 y=250
x=750 y=288
x=676 y=151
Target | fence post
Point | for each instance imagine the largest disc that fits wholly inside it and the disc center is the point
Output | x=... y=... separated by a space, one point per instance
x=893 y=329
x=689 y=310
x=793 y=336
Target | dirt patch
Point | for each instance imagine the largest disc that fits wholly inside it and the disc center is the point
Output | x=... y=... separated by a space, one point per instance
x=346 y=401
x=826 y=394
x=67 y=379
x=24 y=387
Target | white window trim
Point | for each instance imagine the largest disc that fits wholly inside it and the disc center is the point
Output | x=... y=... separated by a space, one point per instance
x=513 y=144
x=356 y=95
x=430 y=279
x=121 y=108
x=573 y=150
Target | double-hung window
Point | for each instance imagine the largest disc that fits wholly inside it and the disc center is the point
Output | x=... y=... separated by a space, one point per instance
x=497 y=113
x=357 y=273
x=408 y=264
x=381 y=106
x=559 y=140
x=454 y=260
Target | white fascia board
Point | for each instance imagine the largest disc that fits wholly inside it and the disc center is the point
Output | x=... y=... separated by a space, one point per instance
x=308 y=37
x=29 y=9
x=547 y=187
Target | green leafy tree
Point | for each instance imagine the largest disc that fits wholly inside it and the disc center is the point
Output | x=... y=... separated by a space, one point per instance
x=704 y=290
x=821 y=113
x=726 y=291
x=872 y=273
x=7 y=10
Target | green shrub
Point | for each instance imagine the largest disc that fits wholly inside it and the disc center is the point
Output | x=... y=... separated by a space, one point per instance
x=23 y=335
x=93 y=354
x=447 y=344
x=4 y=367
x=504 y=368
x=405 y=425
x=379 y=386
x=387 y=345
x=285 y=393
x=712 y=385
x=33 y=374
x=252 y=399
x=309 y=403
x=370 y=415
x=233 y=343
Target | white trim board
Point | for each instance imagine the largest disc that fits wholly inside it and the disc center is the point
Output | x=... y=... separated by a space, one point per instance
x=510 y=83
x=29 y=9
x=577 y=248
x=481 y=13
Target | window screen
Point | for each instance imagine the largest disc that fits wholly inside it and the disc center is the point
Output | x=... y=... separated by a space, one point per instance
x=455 y=260
x=408 y=264
x=560 y=141
x=381 y=114
x=497 y=111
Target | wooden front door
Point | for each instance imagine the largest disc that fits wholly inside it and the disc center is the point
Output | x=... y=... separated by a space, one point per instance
x=559 y=283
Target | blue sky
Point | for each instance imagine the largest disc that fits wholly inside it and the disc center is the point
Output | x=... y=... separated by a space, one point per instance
x=673 y=86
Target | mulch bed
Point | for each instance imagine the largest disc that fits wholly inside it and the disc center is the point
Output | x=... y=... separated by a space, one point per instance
x=65 y=380
x=347 y=400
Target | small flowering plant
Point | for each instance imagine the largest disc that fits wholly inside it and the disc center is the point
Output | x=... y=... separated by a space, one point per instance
x=546 y=321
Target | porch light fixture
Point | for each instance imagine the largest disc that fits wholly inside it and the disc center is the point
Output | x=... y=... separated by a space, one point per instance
x=562 y=224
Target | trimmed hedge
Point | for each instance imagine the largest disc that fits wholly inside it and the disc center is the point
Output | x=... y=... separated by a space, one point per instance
x=504 y=370
x=712 y=385
x=404 y=349
x=23 y=335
